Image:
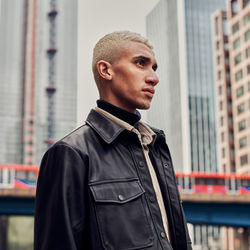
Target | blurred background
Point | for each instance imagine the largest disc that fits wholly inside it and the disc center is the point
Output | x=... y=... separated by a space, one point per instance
x=202 y=102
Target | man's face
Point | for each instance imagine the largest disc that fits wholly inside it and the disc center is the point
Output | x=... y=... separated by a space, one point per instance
x=134 y=78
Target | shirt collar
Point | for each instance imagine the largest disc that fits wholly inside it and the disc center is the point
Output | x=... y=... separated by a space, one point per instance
x=144 y=132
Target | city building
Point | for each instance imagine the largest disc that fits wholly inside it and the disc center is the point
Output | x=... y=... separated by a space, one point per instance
x=231 y=54
x=225 y=132
x=182 y=36
x=181 y=33
x=231 y=35
x=238 y=16
x=38 y=77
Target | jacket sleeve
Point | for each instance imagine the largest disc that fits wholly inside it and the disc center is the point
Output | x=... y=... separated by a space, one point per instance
x=60 y=206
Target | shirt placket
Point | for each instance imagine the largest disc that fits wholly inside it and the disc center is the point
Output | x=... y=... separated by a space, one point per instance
x=145 y=141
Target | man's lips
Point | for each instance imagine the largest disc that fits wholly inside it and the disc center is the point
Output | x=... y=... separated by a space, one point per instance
x=149 y=91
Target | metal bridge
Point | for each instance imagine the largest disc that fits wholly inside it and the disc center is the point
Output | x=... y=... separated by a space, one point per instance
x=208 y=209
x=208 y=199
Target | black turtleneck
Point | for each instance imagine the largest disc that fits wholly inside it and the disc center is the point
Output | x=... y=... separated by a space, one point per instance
x=122 y=114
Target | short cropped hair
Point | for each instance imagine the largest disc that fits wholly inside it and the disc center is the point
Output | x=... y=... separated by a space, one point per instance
x=110 y=47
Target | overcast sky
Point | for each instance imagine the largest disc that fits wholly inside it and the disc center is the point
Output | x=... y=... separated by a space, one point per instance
x=95 y=19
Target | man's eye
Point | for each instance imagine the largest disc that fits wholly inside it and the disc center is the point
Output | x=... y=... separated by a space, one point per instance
x=141 y=62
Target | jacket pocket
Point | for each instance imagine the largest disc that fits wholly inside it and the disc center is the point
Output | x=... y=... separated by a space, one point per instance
x=121 y=215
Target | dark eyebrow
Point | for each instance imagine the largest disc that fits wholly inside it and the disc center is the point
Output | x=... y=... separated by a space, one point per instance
x=145 y=58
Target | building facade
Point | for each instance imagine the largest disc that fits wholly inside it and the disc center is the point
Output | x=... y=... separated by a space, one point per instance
x=184 y=104
x=225 y=131
x=231 y=35
x=38 y=76
x=182 y=36
x=231 y=54
x=238 y=16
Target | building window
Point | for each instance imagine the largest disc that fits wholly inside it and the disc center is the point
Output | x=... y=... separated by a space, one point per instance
x=243 y=160
x=230 y=120
x=217 y=45
x=247 y=35
x=243 y=142
x=229 y=89
x=220 y=90
x=218 y=60
x=236 y=43
x=235 y=28
x=221 y=105
x=225 y=27
x=224 y=168
x=223 y=153
x=231 y=136
x=235 y=6
x=219 y=75
x=237 y=59
x=216 y=25
x=248 y=69
x=238 y=75
x=241 y=108
x=245 y=2
x=227 y=58
x=242 y=125
x=239 y=92
x=232 y=152
x=248 y=52
x=222 y=136
x=233 y=168
x=221 y=120
x=229 y=104
x=246 y=19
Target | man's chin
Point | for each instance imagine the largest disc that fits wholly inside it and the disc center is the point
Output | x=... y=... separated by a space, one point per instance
x=144 y=107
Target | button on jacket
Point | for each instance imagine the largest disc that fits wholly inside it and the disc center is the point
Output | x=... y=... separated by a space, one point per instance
x=95 y=192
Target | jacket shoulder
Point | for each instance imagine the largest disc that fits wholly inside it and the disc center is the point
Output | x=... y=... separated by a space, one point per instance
x=78 y=138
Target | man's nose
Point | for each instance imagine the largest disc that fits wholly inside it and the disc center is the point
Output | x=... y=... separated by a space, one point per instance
x=152 y=78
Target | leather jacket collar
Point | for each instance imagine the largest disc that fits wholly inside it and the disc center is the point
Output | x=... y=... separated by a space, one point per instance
x=105 y=128
x=108 y=130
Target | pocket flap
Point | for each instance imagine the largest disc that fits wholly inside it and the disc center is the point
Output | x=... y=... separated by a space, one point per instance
x=117 y=192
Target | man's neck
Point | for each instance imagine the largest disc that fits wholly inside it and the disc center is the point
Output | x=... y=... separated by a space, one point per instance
x=122 y=114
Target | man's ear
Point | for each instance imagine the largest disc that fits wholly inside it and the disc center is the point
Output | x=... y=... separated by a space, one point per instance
x=104 y=69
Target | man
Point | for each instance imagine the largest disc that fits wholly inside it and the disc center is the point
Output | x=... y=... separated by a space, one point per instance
x=110 y=184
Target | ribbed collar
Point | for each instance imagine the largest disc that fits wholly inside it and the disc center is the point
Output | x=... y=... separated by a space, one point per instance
x=122 y=114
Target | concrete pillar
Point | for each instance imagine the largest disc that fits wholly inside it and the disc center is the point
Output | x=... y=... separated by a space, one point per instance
x=245 y=239
x=3 y=232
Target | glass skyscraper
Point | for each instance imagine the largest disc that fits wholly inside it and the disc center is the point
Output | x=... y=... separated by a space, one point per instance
x=38 y=46
x=181 y=34
x=184 y=104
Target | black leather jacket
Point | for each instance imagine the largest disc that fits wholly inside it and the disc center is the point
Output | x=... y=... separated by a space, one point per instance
x=95 y=192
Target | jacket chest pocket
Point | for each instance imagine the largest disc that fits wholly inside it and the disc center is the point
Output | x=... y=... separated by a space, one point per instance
x=121 y=215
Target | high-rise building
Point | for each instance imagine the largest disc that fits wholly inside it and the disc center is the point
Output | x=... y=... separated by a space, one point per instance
x=225 y=133
x=231 y=39
x=231 y=53
x=181 y=33
x=182 y=37
x=38 y=78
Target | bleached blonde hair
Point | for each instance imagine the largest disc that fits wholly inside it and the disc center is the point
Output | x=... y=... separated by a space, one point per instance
x=110 y=47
